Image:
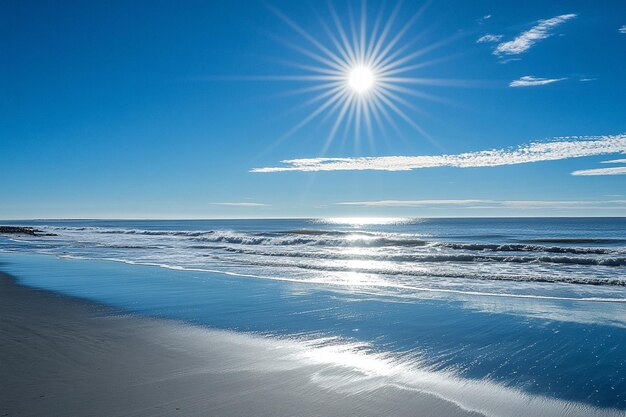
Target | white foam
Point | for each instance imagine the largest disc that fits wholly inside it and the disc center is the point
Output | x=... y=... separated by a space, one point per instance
x=364 y=287
x=353 y=367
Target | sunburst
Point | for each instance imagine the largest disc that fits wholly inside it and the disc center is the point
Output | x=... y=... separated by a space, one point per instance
x=360 y=72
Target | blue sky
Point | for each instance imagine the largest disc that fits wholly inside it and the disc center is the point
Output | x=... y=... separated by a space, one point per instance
x=171 y=109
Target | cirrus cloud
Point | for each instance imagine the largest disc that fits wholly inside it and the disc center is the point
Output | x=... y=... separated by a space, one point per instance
x=554 y=150
x=601 y=171
x=241 y=204
x=528 y=39
x=495 y=204
x=489 y=38
x=531 y=81
x=414 y=203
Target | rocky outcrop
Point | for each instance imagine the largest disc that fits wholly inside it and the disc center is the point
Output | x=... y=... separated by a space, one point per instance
x=21 y=230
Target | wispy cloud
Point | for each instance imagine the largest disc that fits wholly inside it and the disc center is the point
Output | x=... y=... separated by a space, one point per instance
x=556 y=149
x=526 y=40
x=622 y=29
x=615 y=161
x=489 y=38
x=495 y=204
x=604 y=171
x=531 y=81
x=563 y=204
x=241 y=204
x=601 y=171
x=413 y=203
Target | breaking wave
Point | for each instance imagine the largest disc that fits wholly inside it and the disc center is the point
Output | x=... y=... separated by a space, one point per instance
x=397 y=254
x=621 y=261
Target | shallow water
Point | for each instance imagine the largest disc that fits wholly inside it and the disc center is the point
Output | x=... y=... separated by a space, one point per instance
x=537 y=305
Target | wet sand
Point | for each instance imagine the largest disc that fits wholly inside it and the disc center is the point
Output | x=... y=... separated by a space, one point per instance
x=62 y=356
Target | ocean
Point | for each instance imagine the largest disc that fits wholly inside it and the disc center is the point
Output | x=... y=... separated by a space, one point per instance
x=534 y=307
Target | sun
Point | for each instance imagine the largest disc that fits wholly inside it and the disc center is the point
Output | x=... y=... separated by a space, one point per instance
x=361 y=79
x=363 y=73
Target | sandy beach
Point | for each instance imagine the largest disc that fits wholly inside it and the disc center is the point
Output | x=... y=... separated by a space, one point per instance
x=65 y=356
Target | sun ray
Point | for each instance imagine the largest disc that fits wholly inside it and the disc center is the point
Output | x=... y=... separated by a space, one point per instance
x=362 y=71
x=313 y=115
x=424 y=81
x=363 y=29
x=375 y=29
x=315 y=99
x=389 y=70
x=354 y=34
x=321 y=96
x=350 y=119
x=418 y=53
x=408 y=120
x=342 y=33
x=306 y=35
x=380 y=63
x=310 y=54
x=398 y=111
x=341 y=47
x=338 y=121
x=310 y=89
x=398 y=36
x=336 y=106
x=379 y=122
x=400 y=100
x=368 y=122
x=312 y=68
x=385 y=32
x=357 y=117
x=417 y=93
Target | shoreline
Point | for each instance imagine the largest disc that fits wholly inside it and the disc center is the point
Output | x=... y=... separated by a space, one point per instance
x=67 y=356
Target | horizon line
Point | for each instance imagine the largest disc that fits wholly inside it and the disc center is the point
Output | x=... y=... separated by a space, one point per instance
x=313 y=218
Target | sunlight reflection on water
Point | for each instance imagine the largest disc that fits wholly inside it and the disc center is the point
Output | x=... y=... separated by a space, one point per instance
x=365 y=221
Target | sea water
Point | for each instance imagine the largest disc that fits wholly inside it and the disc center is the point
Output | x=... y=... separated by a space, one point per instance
x=533 y=305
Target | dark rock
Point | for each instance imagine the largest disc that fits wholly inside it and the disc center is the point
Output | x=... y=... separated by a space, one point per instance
x=21 y=230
